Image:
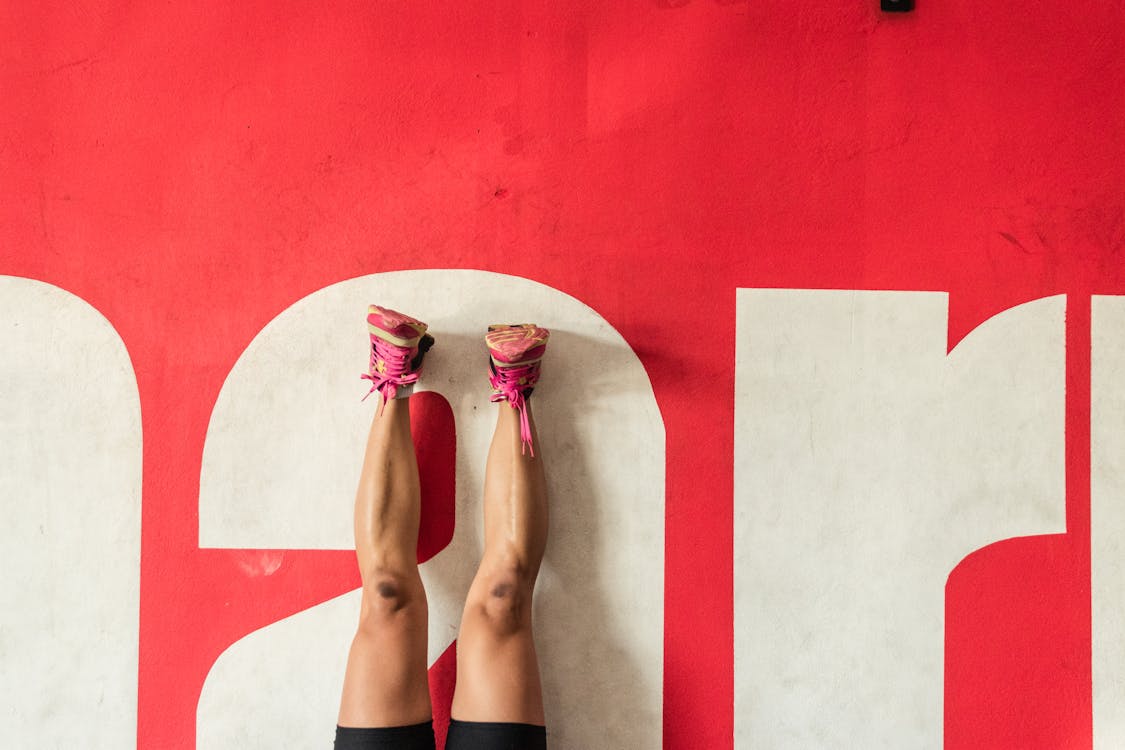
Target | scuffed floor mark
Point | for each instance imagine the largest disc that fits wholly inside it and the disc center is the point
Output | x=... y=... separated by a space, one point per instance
x=1015 y=242
x=259 y=562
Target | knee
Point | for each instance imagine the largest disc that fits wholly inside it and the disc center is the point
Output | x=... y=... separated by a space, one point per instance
x=389 y=595
x=505 y=600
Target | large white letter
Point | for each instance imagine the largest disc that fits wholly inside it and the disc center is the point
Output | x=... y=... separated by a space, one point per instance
x=1107 y=519
x=70 y=495
x=282 y=456
x=867 y=464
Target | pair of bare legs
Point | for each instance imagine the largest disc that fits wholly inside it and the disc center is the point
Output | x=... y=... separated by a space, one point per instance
x=386 y=680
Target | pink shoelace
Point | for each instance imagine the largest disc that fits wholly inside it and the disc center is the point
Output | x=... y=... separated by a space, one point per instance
x=510 y=382
x=396 y=361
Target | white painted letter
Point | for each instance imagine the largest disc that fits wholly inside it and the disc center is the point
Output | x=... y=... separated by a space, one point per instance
x=70 y=490
x=282 y=456
x=868 y=462
x=1107 y=519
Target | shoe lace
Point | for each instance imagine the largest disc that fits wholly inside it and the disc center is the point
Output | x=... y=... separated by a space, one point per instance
x=509 y=384
x=395 y=370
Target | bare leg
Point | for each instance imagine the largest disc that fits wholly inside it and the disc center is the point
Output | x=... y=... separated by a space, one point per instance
x=497 y=671
x=386 y=683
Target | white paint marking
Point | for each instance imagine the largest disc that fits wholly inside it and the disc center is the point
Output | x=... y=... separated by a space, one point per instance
x=1107 y=519
x=70 y=490
x=283 y=453
x=868 y=463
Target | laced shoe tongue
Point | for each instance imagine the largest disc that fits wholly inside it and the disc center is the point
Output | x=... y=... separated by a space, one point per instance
x=390 y=368
x=515 y=377
x=511 y=384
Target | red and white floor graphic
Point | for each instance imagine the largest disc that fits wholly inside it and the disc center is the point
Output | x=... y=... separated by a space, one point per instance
x=835 y=405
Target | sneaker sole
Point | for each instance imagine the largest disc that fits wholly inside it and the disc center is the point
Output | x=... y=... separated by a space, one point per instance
x=513 y=342
x=395 y=319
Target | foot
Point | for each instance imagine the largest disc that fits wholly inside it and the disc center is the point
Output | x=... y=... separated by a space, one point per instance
x=398 y=344
x=515 y=353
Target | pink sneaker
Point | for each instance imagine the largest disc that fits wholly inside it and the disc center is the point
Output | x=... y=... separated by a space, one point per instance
x=516 y=351
x=398 y=343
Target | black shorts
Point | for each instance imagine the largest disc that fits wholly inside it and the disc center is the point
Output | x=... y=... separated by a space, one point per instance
x=463 y=735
